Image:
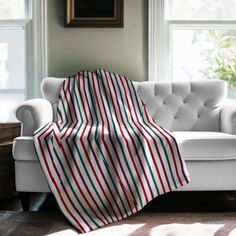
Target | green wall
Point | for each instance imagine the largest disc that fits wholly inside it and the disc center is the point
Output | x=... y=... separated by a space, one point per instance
x=121 y=50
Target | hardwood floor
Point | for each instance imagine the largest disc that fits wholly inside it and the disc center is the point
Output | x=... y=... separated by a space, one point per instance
x=215 y=201
x=206 y=208
x=15 y=223
x=170 y=202
x=38 y=202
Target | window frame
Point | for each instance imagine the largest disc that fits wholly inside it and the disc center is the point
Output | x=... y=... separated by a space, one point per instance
x=34 y=26
x=36 y=48
x=13 y=24
x=160 y=41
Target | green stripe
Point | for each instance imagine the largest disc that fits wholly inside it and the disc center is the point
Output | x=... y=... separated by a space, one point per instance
x=69 y=183
x=118 y=139
x=40 y=129
x=138 y=137
x=81 y=158
x=156 y=134
x=59 y=112
x=98 y=145
x=64 y=109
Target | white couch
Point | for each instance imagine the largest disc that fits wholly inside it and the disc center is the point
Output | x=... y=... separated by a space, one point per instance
x=202 y=120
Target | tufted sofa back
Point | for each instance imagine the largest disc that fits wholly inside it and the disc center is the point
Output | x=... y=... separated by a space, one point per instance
x=184 y=106
x=177 y=106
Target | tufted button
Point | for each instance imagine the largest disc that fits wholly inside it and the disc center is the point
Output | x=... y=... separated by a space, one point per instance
x=198 y=116
x=175 y=117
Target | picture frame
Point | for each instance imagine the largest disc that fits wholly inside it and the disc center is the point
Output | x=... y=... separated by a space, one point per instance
x=94 y=13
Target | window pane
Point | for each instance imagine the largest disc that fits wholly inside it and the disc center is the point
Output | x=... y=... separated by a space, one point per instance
x=205 y=54
x=12 y=59
x=12 y=9
x=201 y=9
x=8 y=103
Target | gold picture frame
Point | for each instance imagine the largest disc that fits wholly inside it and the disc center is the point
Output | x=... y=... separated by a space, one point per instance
x=94 y=13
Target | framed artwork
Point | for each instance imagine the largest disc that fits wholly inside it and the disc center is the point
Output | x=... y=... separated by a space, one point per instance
x=94 y=13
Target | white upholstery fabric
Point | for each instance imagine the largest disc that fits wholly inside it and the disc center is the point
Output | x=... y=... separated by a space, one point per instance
x=193 y=146
x=50 y=89
x=32 y=114
x=30 y=177
x=178 y=106
x=204 y=176
x=211 y=175
x=206 y=145
x=184 y=106
x=228 y=117
x=23 y=149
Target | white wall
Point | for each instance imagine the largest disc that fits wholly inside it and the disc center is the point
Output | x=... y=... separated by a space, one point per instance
x=121 y=50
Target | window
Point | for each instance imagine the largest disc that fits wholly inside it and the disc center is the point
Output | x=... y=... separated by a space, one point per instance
x=12 y=9
x=21 y=56
x=191 y=39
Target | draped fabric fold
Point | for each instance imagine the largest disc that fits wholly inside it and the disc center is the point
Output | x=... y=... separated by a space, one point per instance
x=105 y=158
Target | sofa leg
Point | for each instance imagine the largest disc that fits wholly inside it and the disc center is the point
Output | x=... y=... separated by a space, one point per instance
x=25 y=200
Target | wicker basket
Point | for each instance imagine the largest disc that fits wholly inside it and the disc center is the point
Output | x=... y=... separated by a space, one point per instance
x=7 y=170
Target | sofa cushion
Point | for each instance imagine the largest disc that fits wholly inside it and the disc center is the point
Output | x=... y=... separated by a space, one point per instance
x=23 y=149
x=206 y=145
x=193 y=146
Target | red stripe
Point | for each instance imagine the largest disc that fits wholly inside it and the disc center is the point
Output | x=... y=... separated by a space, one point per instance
x=68 y=163
x=106 y=147
x=69 y=108
x=54 y=182
x=156 y=127
x=63 y=186
x=91 y=195
x=81 y=176
x=140 y=130
x=164 y=169
x=127 y=143
x=135 y=147
x=173 y=155
x=72 y=173
x=60 y=119
x=81 y=191
x=96 y=158
x=114 y=148
x=87 y=155
x=179 y=155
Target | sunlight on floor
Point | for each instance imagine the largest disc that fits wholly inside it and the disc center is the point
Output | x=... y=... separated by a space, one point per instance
x=232 y=233
x=68 y=232
x=119 y=230
x=195 y=229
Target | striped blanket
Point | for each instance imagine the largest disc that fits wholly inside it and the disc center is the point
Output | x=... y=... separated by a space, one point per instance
x=104 y=157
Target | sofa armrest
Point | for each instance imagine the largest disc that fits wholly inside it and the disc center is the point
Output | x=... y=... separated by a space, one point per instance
x=32 y=114
x=228 y=117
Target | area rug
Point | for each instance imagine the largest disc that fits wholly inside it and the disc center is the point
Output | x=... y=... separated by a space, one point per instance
x=141 y=224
